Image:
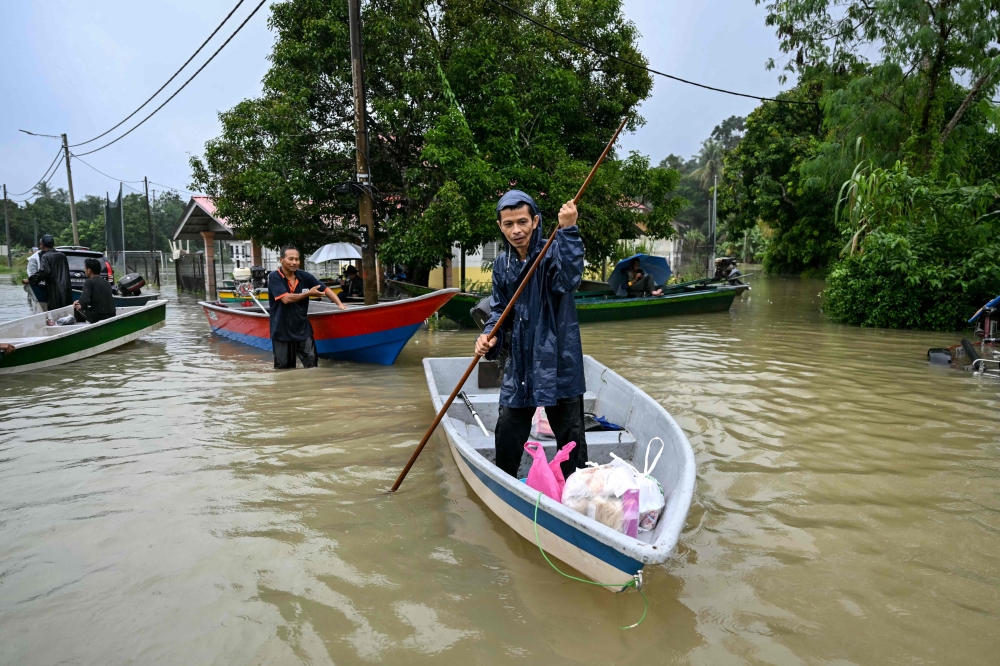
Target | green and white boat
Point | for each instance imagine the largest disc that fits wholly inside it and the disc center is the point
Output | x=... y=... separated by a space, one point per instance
x=37 y=345
x=596 y=302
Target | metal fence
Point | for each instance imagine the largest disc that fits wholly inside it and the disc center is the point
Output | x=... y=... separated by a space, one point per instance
x=190 y=272
x=147 y=264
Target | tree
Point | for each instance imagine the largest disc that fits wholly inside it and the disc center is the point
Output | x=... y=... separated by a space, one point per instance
x=729 y=132
x=465 y=100
x=931 y=43
x=710 y=161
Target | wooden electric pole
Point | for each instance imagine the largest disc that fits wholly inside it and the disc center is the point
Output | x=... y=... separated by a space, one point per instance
x=6 y=222
x=72 y=201
x=361 y=142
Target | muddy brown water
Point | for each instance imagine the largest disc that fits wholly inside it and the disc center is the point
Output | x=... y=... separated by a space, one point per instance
x=177 y=501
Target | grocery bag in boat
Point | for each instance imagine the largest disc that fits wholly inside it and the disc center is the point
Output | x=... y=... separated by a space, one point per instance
x=547 y=478
x=599 y=492
x=540 y=427
x=651 y=495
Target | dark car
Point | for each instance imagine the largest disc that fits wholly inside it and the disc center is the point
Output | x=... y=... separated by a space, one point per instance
x=76 y=255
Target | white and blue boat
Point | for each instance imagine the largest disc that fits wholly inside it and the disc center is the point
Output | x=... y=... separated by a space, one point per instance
x=600 y=553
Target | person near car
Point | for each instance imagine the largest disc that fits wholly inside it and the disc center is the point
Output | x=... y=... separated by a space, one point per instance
x=37 y=289
x=96 y=303
x=53 y=270
x=288 y=290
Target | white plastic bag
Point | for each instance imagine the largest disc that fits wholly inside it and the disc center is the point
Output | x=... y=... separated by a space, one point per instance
x=651 y=496
x=540 y=428
x=598 y=492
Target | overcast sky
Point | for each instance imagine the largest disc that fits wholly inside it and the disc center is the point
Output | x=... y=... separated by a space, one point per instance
x=80 y=67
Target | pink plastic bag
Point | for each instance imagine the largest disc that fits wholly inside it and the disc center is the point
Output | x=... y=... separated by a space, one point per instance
x=546 y=477
x=561 y=456
x=630 y=512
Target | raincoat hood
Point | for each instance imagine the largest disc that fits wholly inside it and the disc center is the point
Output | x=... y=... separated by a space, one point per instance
x=514 y=199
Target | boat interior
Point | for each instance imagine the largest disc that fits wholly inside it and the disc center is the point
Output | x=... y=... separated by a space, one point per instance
x=34 y=328
x=608 y=395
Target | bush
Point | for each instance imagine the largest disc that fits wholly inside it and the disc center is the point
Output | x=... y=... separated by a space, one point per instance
x=918 y=254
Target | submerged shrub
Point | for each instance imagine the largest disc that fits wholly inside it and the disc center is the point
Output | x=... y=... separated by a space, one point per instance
x=918 y=253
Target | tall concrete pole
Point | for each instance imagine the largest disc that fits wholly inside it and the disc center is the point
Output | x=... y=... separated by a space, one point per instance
x=361 y=141
x=152 y=236
x=6 y=221
x=72 y=201
x=715 y=219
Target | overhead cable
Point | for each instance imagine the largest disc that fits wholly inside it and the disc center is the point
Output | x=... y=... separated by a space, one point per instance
x=45 y=176
x=34 y=195
x=186 y=63
x=175 y=189
x=77 y=157
x=229 y=39
x=590 y=47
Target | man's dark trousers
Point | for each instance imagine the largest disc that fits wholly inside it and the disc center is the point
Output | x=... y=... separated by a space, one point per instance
x=514 y=427
x=285 y=353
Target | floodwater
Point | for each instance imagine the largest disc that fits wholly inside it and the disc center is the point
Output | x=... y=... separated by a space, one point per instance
x=177 y=501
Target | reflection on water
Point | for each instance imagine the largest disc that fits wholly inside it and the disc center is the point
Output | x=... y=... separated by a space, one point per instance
x=178 y=501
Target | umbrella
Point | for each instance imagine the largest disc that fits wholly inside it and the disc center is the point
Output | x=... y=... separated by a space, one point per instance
x=335 y=252
x=655 y=266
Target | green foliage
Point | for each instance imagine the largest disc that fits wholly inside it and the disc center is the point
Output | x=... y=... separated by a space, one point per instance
x=465 y=101
x=763 y=184
x=929 y=257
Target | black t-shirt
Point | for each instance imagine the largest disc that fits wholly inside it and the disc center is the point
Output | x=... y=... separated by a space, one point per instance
x=289 y=322
x=97 y=298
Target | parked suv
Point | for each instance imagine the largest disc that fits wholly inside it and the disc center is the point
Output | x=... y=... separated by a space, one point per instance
x=76 y=255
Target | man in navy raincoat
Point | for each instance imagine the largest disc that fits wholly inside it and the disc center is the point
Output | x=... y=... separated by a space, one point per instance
x=545 y=364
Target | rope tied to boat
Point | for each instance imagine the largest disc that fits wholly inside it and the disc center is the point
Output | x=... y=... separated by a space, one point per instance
x=631 y=583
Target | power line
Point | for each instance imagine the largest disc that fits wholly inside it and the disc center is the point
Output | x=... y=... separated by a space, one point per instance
x=186 y=63
x=41 y=182
x=240 y=27
x=175 y=189
x=45 y=176
x=585 y=45
x=101 y=172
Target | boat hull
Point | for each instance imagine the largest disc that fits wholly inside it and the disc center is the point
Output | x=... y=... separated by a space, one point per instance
x=589 y=309
x=74 y=344
x=600 y=553
x=368 y=334
x=717 y=299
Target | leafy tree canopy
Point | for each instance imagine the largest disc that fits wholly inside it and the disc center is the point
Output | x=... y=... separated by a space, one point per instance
x=465 y=100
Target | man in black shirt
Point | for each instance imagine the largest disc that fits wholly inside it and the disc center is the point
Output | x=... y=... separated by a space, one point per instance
x=288 y=290
x=96 y=303
x=53 y=270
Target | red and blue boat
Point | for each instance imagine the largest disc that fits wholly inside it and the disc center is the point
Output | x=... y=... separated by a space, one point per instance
x=362 y=333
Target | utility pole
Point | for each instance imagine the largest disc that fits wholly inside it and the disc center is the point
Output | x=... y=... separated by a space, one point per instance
x=152 y=236
x=72 y=201
x=715 y=218
x=361 y=141
x=6 y=221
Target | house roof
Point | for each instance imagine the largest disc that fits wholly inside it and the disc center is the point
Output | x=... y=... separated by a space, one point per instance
x=198 y=216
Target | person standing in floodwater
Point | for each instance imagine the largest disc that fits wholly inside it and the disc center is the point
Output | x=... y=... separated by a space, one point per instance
x=288 y=290
x=545 y=364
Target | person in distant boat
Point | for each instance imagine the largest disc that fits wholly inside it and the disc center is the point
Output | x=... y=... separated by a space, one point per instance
x=352 y=284
x=96 y=303
x=545 y=363
x=37 y=289
x=289 y=290
x=640 y=283
x=53 y=270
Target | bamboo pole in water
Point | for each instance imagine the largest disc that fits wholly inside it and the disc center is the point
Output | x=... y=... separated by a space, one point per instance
x=503 y=316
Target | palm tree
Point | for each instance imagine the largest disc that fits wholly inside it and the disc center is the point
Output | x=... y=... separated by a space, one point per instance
x=43 y=191
x=710 y=161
